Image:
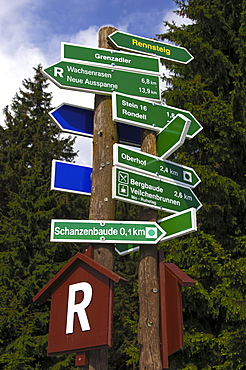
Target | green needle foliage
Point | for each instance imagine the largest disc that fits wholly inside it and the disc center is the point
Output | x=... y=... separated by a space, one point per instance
x=212 y=87
x=29 y=142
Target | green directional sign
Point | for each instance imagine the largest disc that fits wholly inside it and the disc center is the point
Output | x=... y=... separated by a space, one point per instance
x=172 y=136
x=123 y=249
x=153 y=192
x=179 y=224
x=113 y=58
x=127 y=41
x=106 y=231
x=152 y=165
x=103 y=80
x=143 y=113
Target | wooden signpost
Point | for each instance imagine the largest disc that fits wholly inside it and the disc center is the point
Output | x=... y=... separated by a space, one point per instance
x=84 y=285
x=102 y=206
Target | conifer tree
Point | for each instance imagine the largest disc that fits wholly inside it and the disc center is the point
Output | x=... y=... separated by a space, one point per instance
x=28 y=260
x=212 y=87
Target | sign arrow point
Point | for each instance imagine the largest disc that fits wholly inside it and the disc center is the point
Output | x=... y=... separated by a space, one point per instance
x=172 y=136
x=179 y=224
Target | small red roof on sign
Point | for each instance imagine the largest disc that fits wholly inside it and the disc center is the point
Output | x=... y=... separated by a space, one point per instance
x=61 y=276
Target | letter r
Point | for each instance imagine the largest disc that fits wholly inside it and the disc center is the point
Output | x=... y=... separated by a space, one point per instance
x=79 y=308
x=58 y=72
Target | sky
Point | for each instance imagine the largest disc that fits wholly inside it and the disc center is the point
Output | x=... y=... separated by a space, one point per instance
x=32 y=32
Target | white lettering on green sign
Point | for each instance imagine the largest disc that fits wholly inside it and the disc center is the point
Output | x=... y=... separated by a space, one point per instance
x=112 y=58
x=133 y=159
x=84 y=232
x=135 y=187
x=104 y=79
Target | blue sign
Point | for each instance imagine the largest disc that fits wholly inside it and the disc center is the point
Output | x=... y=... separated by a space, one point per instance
x=71 y=177
x=130 y=135
x=79 y=121
x=74 y=119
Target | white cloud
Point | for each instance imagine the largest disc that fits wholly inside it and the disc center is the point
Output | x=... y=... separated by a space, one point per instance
x=26 y=41
x=14 y=69
x=86 y=37
x=19 y=55
x=170 y=17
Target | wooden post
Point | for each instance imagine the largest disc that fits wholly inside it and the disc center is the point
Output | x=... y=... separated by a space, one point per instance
x=149 y=319
x=102 y=206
